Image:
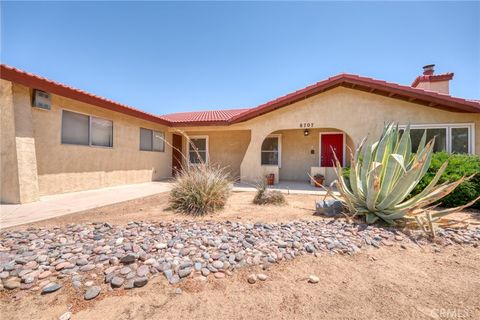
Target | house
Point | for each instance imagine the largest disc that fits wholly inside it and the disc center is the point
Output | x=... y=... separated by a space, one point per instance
x=55 y=138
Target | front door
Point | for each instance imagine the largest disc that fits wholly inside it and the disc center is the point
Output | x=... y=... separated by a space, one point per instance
x=331 y=143
x=176 y=154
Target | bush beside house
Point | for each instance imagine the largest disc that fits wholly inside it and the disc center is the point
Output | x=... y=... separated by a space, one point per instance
x=458 y=166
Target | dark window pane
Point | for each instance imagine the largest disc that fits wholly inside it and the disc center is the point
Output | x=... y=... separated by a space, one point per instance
x=439 y=134
x=197 y=157
x=270 y=158
x=270 y=144
x=199 y=143
x=75 y=128
x=145 y=139
x=102 y=132
x=440 y=139
x=460 y=140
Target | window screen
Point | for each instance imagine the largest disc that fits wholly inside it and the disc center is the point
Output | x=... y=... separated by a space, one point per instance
x=440 y=135
x=75 y=128
x=270 y=151
x=158 y=141
x=145 y=139
x=102 y=132
x=460 y=140
x=152 y=140
x=197 y=150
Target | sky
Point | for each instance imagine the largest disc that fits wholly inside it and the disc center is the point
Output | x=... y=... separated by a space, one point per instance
x=169 y=57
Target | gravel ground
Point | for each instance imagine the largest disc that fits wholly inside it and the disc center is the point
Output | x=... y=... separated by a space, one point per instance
x=89 y=255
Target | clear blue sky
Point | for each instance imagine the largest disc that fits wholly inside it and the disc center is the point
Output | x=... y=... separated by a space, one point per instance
x=168 y=57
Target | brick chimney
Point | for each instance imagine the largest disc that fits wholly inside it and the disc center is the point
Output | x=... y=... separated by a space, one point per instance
x=433 y=82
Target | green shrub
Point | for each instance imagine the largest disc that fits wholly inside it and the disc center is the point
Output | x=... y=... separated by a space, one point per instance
x=458 y=166
x=200 y=189
x=265 y=196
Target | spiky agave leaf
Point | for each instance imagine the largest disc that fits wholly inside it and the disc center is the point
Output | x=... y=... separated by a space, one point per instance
x=384 y=173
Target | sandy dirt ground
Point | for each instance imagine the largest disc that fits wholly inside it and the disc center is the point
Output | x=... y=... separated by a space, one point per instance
x=386 y=283
x=392 y=283
x=155 y=208
x=239 y=208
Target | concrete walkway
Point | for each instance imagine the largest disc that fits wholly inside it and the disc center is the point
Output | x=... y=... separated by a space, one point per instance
x=67 y=203
x=291 y=187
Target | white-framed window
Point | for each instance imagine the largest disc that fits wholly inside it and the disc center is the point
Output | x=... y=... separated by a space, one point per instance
x=198 y=149
x=272 y=150
x=86 y=130
x=451 y=137
x=151 y=140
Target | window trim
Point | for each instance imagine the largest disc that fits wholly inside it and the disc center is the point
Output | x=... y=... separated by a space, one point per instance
x=207 y=152
x=279 y=138
x=151 y=137
x=89 y=130
x=448 y=127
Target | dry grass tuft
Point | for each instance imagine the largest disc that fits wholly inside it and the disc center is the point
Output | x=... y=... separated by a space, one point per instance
x=200 y=189
x=265 y=196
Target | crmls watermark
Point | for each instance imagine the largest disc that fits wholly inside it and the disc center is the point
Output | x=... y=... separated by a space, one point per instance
x=454 y=313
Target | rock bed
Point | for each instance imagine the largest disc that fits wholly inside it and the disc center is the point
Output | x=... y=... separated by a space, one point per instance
x=128 y=256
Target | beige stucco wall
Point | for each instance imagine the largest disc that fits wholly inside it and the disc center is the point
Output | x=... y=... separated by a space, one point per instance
x=34 y=162
x=10 y=192
x=355 y=112
x=19 y=163
x=225 y=148
x=66 y=168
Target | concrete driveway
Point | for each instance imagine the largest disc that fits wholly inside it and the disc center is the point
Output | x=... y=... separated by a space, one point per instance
x=61 y=204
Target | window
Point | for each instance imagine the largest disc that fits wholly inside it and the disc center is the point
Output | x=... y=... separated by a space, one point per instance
x=440 y=135
x=152 y=140
x=271 y=151
x=198 y=150
x=452 y=138
x=86 y=130
x=102 y=132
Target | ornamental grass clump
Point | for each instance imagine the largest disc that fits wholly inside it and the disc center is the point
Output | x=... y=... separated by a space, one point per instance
x=383 y=175
x=266 y=196
x=200 y=189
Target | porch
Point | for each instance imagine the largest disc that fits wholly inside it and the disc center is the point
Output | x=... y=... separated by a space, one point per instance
x=291 y=155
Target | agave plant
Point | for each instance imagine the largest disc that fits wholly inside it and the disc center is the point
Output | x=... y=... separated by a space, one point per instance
x=383 y=174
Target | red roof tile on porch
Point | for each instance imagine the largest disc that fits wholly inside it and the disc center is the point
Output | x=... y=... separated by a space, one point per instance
x=213 y=116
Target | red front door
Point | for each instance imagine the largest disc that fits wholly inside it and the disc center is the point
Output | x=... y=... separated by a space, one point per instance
x=330 y=143
x=176 y=154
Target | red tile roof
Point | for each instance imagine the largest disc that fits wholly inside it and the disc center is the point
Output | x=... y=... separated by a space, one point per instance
x=211 y=117
x=393 y=90
x=432 y=78
x=227 y=117
x=37 y=82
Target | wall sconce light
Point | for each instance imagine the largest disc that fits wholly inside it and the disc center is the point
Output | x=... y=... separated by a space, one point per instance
x=306 y=132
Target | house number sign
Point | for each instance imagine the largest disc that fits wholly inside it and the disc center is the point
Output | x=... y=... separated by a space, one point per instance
x=306 y=125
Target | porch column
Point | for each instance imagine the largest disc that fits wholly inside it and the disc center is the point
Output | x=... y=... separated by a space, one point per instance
x=251 y=166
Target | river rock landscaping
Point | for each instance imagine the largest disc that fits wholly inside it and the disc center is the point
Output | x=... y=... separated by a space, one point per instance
x=95 y=254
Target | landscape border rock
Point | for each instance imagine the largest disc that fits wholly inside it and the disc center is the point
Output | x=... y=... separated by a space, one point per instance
x=128 y=256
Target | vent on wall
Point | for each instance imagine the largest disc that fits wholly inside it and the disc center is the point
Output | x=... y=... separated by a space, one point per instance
x=41 y=100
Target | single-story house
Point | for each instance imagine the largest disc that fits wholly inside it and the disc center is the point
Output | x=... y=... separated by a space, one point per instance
x=55 y=138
